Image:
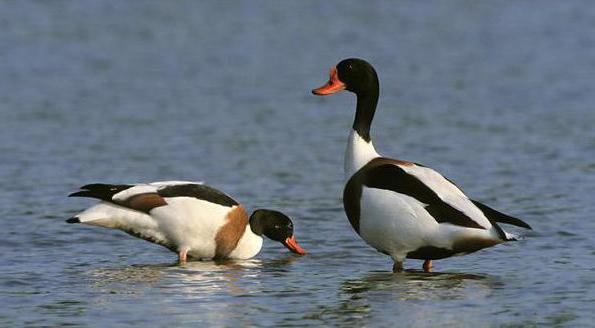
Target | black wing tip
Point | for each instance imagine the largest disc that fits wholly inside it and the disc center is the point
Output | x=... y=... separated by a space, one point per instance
x=100 y=191
x=499 y=217
x=515 y=222
x=525 y=225
x=94 y=185
x=81 y=193
x=73 y=219
x=85 y=190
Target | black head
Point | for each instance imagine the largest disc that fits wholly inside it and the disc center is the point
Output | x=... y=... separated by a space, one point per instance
x=276 y=226
x=358 y=76
x=352 y=74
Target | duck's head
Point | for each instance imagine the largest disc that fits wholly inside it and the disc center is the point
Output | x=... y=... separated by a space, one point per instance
x=352 y=74
x=276 y=226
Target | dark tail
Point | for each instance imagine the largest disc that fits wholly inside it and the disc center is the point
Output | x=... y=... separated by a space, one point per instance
x=496 y=216
x=100 y=191
x=73 y=219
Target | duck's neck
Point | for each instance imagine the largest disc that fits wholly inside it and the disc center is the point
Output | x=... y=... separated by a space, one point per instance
x=360 y=149
x=256 y=225
x=364 y=113
x=358 y=153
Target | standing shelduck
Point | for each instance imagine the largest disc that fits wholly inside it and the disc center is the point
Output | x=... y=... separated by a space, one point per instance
x=189 y=218
x=404 y=209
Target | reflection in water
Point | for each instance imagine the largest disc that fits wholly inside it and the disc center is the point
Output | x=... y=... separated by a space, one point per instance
x=203 y=279
x=147 y=274
x=417 y=285
x=195 y=278
x=214 y=293
x=361 y=299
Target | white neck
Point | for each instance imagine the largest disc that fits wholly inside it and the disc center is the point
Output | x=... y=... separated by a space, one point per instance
x=358 y=153
x=248 y=246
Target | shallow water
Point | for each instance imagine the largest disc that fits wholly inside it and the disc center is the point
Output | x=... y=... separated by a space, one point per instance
x=497 y=96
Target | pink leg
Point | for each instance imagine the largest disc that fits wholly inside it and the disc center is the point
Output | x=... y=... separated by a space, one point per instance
x=183 y=256
x=428 y=266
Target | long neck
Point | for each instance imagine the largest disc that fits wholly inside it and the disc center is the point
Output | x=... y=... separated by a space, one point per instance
x=360 y=149
x=364 y=113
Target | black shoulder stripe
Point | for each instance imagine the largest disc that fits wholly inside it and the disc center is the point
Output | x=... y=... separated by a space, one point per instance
x=392 y=177
x=198 y=191
x=496 y=216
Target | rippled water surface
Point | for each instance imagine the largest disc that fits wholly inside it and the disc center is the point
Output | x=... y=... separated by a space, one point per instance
x=498 y=96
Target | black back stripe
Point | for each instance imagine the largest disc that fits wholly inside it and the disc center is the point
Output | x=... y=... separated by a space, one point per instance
x=381 y=173
x=198 y=191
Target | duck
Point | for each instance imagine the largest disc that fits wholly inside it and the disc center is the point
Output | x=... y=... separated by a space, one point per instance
x=401 y=208
x=192 y=219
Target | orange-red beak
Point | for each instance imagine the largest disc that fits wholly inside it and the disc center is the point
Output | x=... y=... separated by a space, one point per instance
x=293 y=246
x=333 y=85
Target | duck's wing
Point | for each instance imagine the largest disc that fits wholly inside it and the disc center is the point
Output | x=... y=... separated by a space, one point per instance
x=449 y=191
x=445 y=202
x=147 y=196
x=128 y=207
x=138 y=197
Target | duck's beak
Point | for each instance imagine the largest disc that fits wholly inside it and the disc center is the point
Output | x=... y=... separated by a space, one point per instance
x=333 y=85
x=293 y=246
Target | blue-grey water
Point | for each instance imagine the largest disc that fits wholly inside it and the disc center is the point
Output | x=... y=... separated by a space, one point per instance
x=498 y=96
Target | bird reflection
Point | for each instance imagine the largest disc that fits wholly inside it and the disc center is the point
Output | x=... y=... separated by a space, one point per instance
x=195 y=278
x=360 y=298
x=199 y=277
x=417 y=285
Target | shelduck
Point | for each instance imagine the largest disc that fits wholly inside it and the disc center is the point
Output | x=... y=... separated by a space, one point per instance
x=400 y=208
x=189 y=218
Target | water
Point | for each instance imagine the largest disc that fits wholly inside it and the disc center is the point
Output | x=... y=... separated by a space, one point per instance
x=497 y=96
